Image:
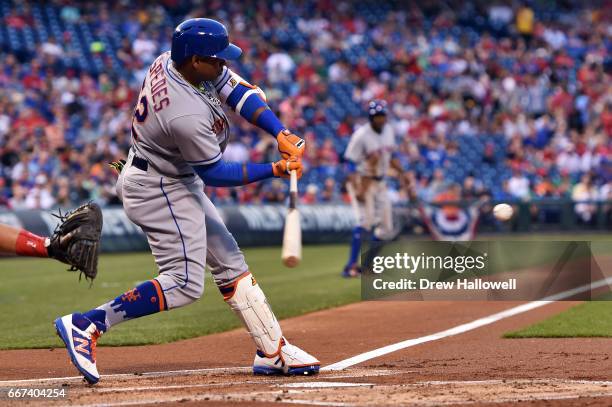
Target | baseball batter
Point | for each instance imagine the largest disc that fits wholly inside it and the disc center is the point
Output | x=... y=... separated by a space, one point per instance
x=369 y=154
x=179 y=133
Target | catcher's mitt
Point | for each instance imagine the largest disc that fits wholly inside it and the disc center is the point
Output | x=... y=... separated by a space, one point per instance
x=76 y=239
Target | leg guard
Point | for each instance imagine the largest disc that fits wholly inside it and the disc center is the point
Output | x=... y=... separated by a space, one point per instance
x=248 y=302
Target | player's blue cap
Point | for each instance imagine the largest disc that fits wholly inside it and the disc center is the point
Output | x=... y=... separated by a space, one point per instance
x=377 y=107
x=202 y=37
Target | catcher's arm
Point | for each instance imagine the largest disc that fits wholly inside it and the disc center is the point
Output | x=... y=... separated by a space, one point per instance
x=76 y=239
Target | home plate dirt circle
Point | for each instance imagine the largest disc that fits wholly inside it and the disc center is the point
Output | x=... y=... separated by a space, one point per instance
x=365 y=387
x=477 y=367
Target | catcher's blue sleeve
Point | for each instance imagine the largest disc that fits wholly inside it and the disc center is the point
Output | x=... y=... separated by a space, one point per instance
x=230 y=174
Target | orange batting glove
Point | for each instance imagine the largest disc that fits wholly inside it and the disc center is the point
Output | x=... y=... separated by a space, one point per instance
x=290 y=145
x=283 y=168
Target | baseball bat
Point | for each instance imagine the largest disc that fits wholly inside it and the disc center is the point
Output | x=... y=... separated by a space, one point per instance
x=292 y=236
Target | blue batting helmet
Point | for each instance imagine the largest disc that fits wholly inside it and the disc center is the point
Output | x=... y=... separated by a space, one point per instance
x=202 y=37
x=377 y=107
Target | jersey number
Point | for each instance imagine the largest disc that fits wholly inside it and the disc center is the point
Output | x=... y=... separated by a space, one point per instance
x=141 y=115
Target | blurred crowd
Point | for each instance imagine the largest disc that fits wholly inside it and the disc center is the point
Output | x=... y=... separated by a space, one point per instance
x=510 y=100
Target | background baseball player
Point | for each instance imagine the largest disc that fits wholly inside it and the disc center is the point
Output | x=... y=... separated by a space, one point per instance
x=75 y=241
x=179 y=133
x=369 y=154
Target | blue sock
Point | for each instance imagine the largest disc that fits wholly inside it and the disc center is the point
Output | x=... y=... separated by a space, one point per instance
x=98 y=317
x=147 y=298
x=355 y=246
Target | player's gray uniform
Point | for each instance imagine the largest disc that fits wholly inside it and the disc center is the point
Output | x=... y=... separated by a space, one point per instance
x=175 y=126
x=376 y=210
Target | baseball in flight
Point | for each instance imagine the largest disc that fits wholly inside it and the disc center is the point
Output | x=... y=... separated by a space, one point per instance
x=503 y=212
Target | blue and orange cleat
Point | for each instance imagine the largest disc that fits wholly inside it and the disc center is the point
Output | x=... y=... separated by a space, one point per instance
x=289 y=361
x=351 y=271
x=80 y=336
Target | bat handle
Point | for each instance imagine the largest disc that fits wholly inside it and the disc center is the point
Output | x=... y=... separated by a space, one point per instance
x=293 y=189
x=293 y=182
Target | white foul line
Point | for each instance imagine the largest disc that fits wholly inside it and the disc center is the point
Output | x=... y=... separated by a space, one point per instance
x=343 y=364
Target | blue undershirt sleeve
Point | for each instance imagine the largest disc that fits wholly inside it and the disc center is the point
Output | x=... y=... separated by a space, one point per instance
x=230 y=174
x=268 y=121
x=352 y=167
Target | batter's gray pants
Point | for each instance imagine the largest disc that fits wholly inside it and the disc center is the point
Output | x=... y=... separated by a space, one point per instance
x=184 y=230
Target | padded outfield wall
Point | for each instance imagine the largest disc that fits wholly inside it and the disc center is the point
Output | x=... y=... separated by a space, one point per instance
x=262 y=225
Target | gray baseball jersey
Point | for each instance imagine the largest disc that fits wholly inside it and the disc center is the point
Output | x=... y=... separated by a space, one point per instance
x=176 y=126
x=364 y=142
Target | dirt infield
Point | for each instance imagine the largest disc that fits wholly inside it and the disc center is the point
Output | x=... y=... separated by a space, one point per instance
x=477 y=367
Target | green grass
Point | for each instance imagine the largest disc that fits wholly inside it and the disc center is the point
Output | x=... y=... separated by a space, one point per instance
x=590 y=319
x=33 y=292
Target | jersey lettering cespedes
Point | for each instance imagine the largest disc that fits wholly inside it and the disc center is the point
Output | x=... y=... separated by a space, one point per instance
x=176 y=125
x=364 y=142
